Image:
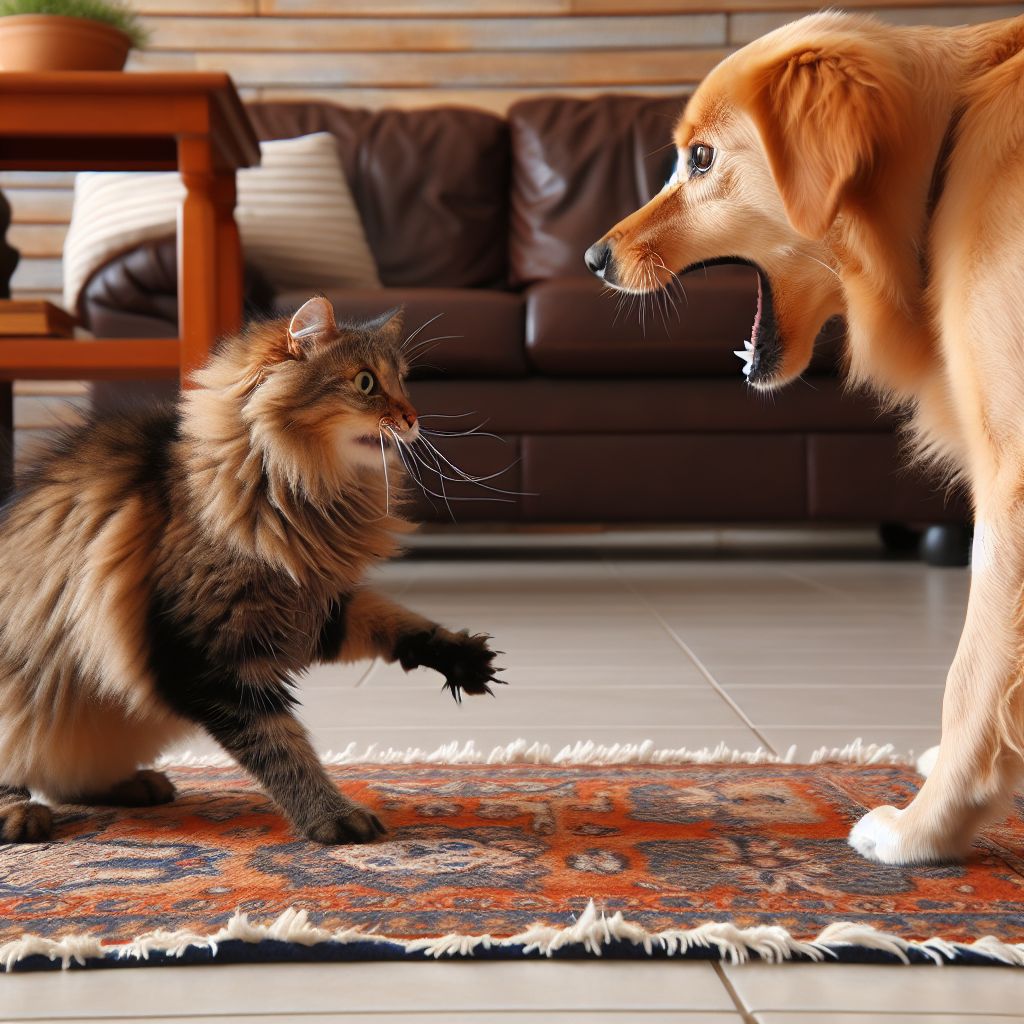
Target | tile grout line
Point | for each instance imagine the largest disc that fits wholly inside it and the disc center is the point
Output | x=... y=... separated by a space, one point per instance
x=701 y=667
x=746 y=1014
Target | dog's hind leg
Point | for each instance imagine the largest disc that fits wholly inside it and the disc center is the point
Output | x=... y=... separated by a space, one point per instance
x=981 y=756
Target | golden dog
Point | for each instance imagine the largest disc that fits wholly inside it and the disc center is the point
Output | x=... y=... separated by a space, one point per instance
x=878 y=173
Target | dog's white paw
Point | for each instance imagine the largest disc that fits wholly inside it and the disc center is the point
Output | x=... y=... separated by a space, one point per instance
x=926 y=762
x=876 y=836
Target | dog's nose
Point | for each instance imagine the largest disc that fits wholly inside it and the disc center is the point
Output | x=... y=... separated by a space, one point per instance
x=597 y=258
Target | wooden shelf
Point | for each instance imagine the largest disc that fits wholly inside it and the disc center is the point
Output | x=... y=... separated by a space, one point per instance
x=96 y=359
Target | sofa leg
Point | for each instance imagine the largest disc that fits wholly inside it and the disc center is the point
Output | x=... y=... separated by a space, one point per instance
x=899 y=539
x=947 y=545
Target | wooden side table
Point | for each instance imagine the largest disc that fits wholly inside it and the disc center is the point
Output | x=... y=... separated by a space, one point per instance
x=137 y=121
x=126 y=121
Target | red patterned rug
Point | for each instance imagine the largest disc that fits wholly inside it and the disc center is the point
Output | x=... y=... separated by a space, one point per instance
x=722 y=860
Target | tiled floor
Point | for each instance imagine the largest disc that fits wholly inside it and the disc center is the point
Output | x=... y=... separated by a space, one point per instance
x=616 y=645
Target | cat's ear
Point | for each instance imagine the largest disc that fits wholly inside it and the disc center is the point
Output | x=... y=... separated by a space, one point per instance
x=389 y=326
x=312 y=324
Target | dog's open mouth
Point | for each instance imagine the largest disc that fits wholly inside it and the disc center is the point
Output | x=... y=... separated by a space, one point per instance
x=762 y=351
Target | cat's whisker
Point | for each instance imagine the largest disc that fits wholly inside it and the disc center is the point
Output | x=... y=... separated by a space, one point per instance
x=474 y=432
x=427 y=341
x=384 y=463
x=445 y=496
x=447 y=415
x=411 y=467
x=421 y=327
x=479 y=481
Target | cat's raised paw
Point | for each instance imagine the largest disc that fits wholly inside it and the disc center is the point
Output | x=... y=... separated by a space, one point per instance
x=469 y=665
x=465 y=660
x=25 y=822
x=351 y=824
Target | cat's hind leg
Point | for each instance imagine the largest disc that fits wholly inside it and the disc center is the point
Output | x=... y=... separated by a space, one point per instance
x=22 y=819
x=146 y=788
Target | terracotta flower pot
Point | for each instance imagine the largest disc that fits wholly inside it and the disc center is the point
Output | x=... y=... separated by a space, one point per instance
x=51 y=42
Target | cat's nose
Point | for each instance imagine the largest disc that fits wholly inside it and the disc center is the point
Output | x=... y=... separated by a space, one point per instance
x=598 y=258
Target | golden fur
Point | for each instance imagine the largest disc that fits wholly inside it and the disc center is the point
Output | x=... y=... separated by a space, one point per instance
x=878 y=173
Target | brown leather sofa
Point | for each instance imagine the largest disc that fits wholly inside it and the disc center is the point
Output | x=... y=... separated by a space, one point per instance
x=603 y=420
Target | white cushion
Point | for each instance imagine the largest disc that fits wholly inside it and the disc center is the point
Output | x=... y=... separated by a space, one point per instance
x=295 y=213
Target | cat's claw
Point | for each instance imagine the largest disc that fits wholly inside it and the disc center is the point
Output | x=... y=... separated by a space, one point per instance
x=465 y=660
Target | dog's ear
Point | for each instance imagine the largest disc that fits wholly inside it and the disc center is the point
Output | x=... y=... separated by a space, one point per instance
x=825 y=115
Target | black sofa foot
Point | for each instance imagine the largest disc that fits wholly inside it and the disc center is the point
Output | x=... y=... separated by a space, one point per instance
x=947 y=545
x=900 y=539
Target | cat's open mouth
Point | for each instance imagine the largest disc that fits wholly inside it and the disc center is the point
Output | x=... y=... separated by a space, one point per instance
x=762 y=351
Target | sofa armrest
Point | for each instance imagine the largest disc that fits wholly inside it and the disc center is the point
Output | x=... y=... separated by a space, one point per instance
x=135 y=295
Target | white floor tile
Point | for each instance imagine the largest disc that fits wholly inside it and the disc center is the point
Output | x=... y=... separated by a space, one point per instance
x=421 y=704
x=370 y=988
x=454 y=1016
x=824 y=675
x=788 y=1017
x=587 y=673
x=817 y=988
x=838 y=707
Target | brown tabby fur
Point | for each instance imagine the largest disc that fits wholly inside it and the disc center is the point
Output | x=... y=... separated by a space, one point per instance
x=178 y=567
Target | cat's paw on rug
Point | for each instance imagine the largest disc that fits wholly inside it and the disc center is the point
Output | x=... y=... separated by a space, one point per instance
x=350 y=824
x=25 y=821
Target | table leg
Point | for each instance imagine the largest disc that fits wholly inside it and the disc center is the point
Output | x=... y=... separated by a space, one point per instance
x=229 y=256
x=6 y=438
x=197 y=256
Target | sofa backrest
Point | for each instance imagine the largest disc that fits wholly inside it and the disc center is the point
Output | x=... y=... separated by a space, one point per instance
x=432 y=186
x=579 y=166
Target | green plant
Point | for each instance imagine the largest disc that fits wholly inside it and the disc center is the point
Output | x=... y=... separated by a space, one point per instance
x=110 y=12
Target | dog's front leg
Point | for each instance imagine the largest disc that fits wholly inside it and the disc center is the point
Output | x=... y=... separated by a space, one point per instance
x=980 y=756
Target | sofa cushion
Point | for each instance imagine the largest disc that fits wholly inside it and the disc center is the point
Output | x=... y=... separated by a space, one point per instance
x=573 y=330
x=295 y=214
x=431 y=186
x=487 y=326
x=578 y=167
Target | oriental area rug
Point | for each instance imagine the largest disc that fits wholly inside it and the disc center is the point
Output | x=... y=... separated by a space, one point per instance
x=611 y=852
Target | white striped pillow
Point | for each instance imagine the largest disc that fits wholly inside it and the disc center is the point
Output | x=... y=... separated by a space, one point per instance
x=295 y=213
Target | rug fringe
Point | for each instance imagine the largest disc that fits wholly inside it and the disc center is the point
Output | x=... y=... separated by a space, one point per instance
x=583 y=752
x=593 y=930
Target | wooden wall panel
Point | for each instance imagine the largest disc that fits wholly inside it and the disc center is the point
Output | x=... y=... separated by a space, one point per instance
x=416 y=53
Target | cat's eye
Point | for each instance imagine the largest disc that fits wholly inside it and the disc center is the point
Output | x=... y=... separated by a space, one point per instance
x=701 y=158
x=365 y=382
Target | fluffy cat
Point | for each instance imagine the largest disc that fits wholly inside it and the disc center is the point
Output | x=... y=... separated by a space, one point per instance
x=178 y=567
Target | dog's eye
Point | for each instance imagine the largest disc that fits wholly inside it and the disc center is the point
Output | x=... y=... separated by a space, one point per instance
x=365 y=382
x=701 y=158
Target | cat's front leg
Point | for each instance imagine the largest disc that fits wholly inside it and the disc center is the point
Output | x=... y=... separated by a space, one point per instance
x=369 y=625
x=274 y=747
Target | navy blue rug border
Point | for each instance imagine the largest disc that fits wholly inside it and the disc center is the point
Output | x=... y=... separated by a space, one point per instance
x=274 y=951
